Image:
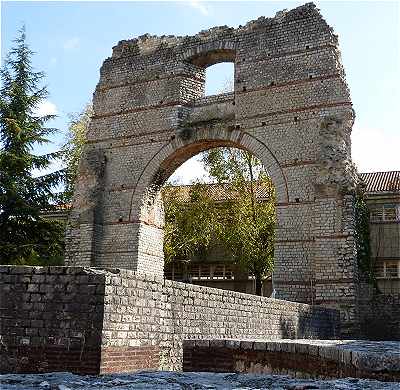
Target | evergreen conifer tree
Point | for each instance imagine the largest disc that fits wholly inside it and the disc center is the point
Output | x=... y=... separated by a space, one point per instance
x=25 y=237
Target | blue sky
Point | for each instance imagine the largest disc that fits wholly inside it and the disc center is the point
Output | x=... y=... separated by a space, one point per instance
x=71 y=40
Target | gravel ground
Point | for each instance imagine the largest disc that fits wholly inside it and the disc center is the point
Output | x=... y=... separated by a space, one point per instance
x=180 y=381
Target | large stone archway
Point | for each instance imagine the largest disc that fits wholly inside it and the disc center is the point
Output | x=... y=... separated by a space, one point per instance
x=150 y=255
x=290 y=106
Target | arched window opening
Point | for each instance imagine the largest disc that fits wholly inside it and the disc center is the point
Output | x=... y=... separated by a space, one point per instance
x=220 y=78
x=219 y=222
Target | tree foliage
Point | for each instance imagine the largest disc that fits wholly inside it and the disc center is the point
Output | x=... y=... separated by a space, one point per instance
x=244 y=224
x=72 y=148
x=362 y=238
x=26 y=237
x=190 y=226
x=250 y=225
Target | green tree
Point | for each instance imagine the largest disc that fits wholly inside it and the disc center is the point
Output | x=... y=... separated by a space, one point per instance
x=249 y=227
x=244 y=224
x=72 y=148
x=191 y=224
x=362 y=238
x=26 y=237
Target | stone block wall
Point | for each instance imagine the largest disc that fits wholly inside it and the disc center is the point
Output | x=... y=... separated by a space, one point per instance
x=87 y=320
x=290 y=107
x=144 y=310
x=51 y=319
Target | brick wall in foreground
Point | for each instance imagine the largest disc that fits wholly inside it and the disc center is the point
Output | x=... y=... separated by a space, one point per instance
x=297 y=358
x=379 y=314
x=51 y=319
x=143 y=310
x=88 y=320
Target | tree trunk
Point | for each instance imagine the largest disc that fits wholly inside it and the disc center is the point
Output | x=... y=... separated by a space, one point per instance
x=253 y=207
x=258 y=285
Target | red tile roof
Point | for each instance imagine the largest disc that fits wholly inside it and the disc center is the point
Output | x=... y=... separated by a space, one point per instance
x=382 y=181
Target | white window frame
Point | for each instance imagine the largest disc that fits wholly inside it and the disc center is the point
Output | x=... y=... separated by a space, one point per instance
x=385 y=275
x=383 y=214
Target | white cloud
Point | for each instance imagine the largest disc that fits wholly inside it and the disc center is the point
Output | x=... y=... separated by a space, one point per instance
x=189 y=171
x=72 y=43
x=198 y=5
x=375 y=149
x=46 y=107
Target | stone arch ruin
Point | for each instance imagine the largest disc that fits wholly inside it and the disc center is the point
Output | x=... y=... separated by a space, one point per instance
x=291 y=107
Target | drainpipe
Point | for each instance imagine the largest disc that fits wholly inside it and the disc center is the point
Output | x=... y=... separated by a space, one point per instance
x=273 y=295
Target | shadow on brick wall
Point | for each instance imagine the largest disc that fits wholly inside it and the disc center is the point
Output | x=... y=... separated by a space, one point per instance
x=311 y=323
x=51 y=319
x=380 y=318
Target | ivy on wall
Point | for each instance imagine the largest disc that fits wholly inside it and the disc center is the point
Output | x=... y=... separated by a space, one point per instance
x=364 y=258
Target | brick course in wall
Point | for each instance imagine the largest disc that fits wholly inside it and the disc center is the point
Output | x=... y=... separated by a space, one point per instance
x=297 y=358
x=87 y=320
x=129 y=359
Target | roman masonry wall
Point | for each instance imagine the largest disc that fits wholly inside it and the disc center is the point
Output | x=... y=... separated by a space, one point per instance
x=290 y=107
x=296 y=358
x=91 y=321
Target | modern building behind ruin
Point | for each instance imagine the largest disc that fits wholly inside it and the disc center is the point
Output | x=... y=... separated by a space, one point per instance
x=383 y=200
x=382 y=194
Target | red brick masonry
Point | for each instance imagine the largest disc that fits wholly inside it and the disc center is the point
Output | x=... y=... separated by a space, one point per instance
x=298 y=358
x=51 y=358
x=129 y=359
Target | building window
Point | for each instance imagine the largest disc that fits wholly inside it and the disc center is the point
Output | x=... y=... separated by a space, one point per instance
x=174 y=271
x=385 y=213
x=211 y=271
x=195 y=271
x=219 y=271
x=388 y=269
